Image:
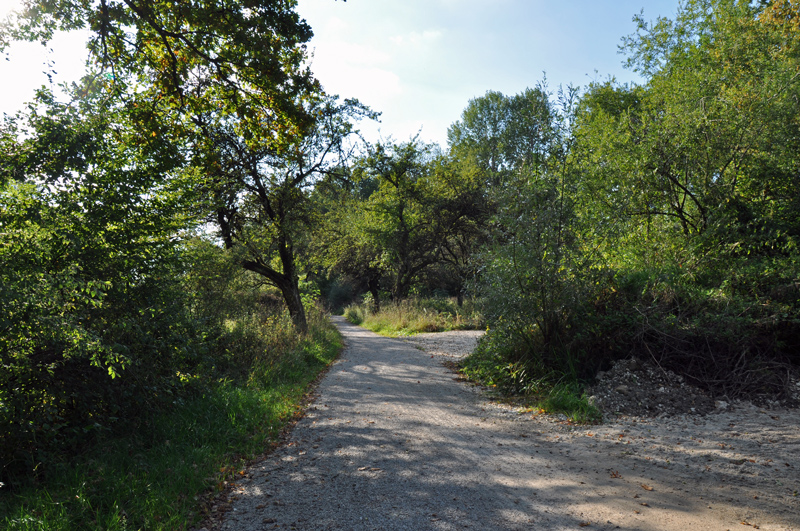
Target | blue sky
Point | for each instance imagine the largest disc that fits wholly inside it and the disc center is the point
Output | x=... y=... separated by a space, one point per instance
x=418 y=61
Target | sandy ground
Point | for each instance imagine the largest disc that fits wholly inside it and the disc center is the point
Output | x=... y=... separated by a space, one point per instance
x=395 y=441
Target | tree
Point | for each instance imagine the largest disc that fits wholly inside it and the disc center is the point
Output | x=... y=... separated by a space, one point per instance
x=710 y=145
x=401 y=220
x=463 y=210
x=537 y=271
x=259 y=196
x=227 y=84
x=341 y=246
x=501 y=134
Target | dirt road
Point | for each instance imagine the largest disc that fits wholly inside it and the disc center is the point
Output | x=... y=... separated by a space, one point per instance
x=394 y=442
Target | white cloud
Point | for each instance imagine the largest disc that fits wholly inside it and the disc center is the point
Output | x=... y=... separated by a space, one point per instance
x=418 y=39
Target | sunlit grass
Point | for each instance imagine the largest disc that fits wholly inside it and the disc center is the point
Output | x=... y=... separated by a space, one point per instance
x=413 y=316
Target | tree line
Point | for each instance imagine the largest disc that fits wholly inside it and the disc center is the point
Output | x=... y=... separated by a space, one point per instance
x=658 y=219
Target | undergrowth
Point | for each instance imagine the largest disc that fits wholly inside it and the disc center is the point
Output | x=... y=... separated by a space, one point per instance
x=157 y=476
x=416 y=315
x=534 y=386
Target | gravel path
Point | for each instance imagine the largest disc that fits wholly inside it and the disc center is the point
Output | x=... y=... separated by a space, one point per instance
x=393 y=441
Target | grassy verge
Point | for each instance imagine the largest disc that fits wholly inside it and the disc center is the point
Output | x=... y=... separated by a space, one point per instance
x=531 y=386
x=412 y=316
x=157 y=476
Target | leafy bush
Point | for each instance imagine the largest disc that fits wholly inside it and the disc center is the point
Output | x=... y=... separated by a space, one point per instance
x=354 y=314
x=152 y=478
x=735 y=333
x=93 y=330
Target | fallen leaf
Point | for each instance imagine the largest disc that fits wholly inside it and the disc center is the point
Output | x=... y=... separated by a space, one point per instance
x=644 y=504
x=646 y=487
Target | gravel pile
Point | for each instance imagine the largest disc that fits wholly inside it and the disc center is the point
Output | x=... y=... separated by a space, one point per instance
x=640 y=388
x=633 y=387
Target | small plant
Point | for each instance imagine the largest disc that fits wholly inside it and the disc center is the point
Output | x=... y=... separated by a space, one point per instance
x=354 y=314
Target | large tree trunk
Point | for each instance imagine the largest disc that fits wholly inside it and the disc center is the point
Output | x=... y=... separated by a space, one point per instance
x=290 y=290
x=374 y=283
x=291 y=294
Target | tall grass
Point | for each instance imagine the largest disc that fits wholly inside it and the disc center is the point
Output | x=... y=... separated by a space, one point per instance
x=156 y=477
x=415 y=315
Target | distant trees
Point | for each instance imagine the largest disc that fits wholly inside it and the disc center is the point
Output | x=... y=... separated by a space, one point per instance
x=500 y=134
x=415 y=212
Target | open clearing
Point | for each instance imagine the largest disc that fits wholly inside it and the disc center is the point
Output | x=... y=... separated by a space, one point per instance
x=394 y=441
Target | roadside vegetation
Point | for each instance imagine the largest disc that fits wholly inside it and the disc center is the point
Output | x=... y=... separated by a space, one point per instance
x=415 y=315
x=157 y=466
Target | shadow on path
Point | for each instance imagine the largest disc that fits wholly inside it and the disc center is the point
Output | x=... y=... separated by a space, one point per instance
x=394 y=442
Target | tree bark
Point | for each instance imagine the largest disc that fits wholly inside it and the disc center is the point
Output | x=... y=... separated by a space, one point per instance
x=290 y=290
x=373 y=283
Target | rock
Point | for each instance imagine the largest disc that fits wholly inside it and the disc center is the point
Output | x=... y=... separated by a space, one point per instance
x=622 y=389
x=721 y=404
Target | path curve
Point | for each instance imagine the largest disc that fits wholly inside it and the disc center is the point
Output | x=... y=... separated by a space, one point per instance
x=394 y=442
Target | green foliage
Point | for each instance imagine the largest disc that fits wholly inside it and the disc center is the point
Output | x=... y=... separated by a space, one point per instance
x=500 y=134
x=540 y=271
x=405 y=216
x=354 y=314
x=737 y=337
x=183 y=60
x=88 y=290
x=151 y=478
x=259 y=197
x=661 y=219
x=570 y=399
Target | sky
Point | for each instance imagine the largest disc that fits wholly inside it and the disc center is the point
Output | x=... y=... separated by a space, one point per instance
x=418 y=62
